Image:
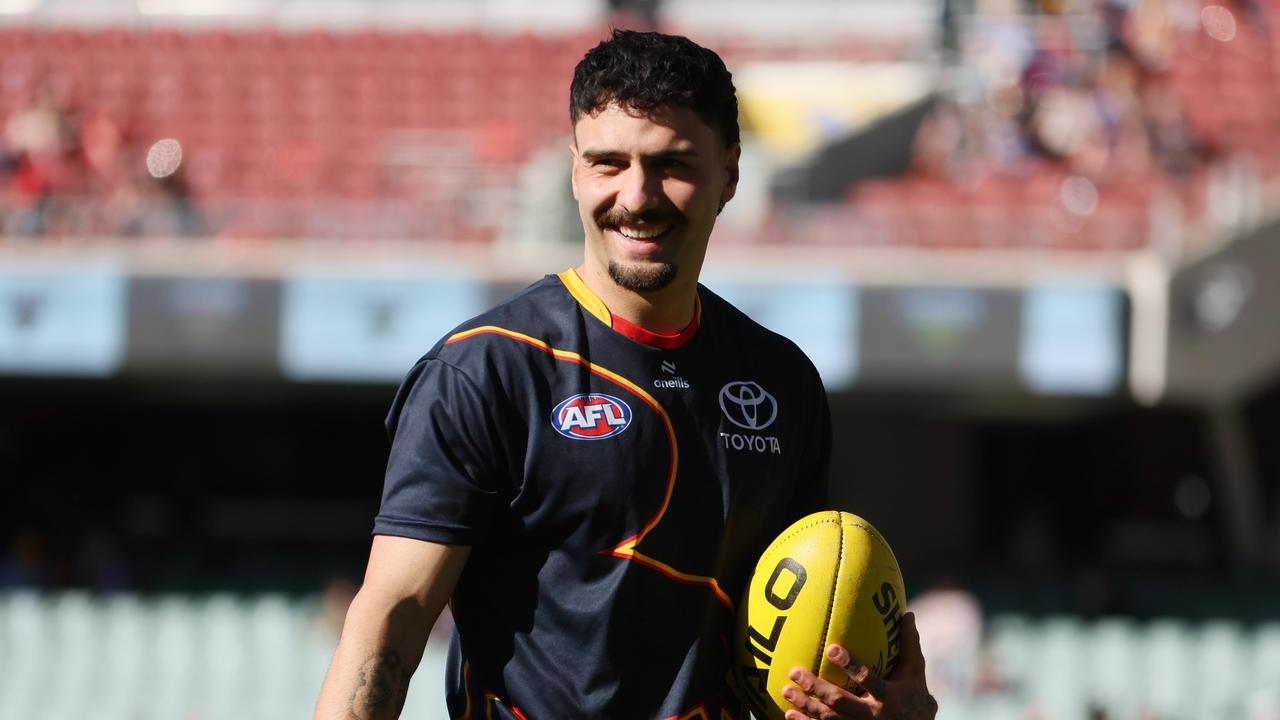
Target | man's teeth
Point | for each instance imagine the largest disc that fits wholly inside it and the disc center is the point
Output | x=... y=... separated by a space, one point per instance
x=643 y=234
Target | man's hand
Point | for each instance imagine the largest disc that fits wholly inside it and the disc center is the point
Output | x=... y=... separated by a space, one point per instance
x=902 y=696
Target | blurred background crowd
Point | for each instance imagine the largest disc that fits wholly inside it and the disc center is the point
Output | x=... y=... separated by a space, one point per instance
x=399 y=133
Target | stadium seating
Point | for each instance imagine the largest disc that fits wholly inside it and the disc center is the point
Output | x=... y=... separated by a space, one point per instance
x=243 y=100
x=276 y=123
x=270 y=119
x=266 y=115
x=78 y=656
x=1227 y=87
x=73 y=656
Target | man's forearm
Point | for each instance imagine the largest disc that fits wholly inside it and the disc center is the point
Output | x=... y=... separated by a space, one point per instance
x=378 y=652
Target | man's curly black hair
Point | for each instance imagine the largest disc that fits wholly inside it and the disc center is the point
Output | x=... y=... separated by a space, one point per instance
x=645 y=71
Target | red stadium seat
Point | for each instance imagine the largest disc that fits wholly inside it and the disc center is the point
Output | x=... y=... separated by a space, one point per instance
x=264 y=113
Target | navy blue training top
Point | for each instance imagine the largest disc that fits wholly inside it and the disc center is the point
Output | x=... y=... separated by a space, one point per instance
x=615 y=496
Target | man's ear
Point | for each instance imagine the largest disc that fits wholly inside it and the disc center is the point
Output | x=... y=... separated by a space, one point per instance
x=573 y=172
x=731 y=156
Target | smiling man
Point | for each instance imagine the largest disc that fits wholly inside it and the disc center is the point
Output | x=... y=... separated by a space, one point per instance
x=649 y=183
x=588 y=472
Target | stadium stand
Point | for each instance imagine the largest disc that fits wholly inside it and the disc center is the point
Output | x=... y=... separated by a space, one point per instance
x=276 y=125
x=1098 y=128
x=73 y=655
x=125 y=656
x=319 y=116
x=412 y=133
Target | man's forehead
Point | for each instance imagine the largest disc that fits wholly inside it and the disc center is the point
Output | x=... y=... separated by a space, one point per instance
x=674 y=125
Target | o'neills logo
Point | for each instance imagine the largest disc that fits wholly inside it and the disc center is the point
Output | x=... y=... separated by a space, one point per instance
x=590 y=416
x=674 y=382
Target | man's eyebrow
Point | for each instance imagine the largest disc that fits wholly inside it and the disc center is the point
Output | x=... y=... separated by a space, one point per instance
x=598 y=154
x=675 y=153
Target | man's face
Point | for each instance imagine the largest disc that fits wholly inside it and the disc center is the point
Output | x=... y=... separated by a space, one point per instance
x=648 y=188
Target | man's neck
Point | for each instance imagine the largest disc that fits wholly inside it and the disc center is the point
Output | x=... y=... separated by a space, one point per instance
x=665 y=311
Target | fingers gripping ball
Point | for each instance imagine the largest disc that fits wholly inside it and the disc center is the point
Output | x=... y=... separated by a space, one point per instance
x=829 y=578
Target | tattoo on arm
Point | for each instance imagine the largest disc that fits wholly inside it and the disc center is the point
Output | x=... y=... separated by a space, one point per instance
x=382 y=685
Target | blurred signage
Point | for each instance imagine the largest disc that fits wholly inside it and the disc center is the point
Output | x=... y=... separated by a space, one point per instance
x=1057 y=339
x=203 y=324
x=1224 y=336
x=938 y=335
x=821 y=316
x=369 y=324
x=1072 y=339
x=794 y=108
x=67 y=320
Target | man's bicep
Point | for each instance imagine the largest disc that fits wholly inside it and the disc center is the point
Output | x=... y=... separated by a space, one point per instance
x=406 y=585
x=402 y=568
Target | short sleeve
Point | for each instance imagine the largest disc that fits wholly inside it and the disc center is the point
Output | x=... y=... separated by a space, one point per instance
x=812 y=494
x=443 y=481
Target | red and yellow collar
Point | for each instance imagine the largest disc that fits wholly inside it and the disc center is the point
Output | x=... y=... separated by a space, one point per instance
x=594 y=305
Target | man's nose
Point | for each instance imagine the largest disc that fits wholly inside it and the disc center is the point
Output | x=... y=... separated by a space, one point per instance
x=641 y=189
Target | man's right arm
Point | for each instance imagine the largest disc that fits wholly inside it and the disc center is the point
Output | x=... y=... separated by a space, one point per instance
x=406 y=586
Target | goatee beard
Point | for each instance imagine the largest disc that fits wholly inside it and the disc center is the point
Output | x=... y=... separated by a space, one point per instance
x=642 y=278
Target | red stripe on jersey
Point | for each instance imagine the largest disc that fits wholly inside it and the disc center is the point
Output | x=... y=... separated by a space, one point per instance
x=662 y=341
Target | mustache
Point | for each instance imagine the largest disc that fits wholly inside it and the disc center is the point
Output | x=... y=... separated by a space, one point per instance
x=616 y=216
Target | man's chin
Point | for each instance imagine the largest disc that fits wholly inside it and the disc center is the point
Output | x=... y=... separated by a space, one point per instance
x=642 y=275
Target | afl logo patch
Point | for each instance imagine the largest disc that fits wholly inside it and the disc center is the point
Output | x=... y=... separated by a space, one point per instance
x=591 y=417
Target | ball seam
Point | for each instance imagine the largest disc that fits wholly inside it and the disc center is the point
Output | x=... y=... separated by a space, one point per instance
x=775 y=546
x=875 y=535
x=831 y=603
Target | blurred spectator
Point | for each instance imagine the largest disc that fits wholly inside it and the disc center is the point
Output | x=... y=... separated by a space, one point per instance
x=1150 y=27
x=335 y=599
x=1065 y=127
x=1173 y=143
x=43 y=142
x=1106 y=114
x=950 y=622
x=1054 y=62
x=66 y=173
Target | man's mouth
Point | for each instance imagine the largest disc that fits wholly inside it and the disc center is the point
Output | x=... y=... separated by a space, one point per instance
x=648 y=232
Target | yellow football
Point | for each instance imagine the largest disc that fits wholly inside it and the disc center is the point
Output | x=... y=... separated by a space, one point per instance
x=829 y=578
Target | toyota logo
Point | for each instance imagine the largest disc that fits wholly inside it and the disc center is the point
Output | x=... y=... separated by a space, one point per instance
x=748 y=406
